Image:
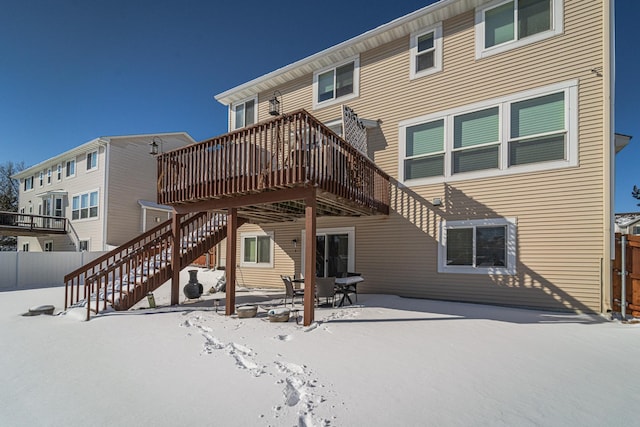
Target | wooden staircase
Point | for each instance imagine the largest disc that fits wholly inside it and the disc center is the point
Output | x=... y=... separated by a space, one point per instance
x=125 y=275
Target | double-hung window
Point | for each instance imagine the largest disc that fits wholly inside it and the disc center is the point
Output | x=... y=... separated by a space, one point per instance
x=49 y=176
x=244 y=114
x=426 y=51
x=41 y=178
x=92 y=160
x=85 y=205
x=525 y=132
x=336 y=83
x=504 y=25
x=59 y=172
x=28 y=183
x=484 y=246
x=257 y=250
x=70 y=168
x=424 y=150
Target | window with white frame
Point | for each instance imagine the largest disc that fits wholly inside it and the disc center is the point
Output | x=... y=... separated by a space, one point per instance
x=41 y=178
x=84 y=245
x=70 y=168
x=534 y=130
x=426 y=51
x=244 y=113
x=336 y=83
x=48 y=245
x=28 y=183
x=59 y=172
x=485 y=246
x=92 y=160
x=49 y=176
x=25 y=247
x=85 y=205
x=503 y=25
x=257 y=250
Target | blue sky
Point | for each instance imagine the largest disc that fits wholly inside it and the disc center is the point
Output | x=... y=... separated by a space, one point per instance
x=73 y=70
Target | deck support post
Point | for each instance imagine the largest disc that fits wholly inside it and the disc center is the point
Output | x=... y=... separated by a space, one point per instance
x=309 y=258
x=230 y=269
x=175 y=257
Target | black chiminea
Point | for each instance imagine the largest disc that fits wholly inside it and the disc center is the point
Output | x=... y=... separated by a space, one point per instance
x=193 y=289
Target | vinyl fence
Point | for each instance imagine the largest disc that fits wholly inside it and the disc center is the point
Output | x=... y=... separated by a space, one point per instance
x=31 y=270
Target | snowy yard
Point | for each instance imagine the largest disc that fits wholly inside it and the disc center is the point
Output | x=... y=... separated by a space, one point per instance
x=386 y=361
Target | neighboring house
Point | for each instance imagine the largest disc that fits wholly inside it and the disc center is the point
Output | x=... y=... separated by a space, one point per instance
x=494 y=118
x=106 y=188
x=628 y=223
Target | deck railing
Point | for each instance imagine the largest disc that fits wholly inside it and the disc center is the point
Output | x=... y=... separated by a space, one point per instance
x=125 y=275
x=31 y=223
x=289 y=151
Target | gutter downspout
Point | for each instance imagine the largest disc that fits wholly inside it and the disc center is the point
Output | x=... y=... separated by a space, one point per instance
x=608 y=135
x=105 y=191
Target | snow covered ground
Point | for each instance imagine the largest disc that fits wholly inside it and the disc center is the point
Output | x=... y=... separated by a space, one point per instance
x=385 y=361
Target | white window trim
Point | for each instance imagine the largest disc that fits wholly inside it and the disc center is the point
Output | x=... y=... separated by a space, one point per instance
x=88 y=218
x=59 y=172
x=571 y=126
x=49 y=176
x=340 y=100
x=557 y=19
x=437 y=54
x=87 y=160
x=232 y=112
x=41 y=178
x=511 y=242
x=24 y=185
x=66 y=168
x=351 y=231
x=88 y=244
x=269 y=264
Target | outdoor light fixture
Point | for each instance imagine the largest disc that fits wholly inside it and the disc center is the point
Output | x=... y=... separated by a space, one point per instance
x=153 y=146
x=274 y=104
x=295 y=243
x=437 y=201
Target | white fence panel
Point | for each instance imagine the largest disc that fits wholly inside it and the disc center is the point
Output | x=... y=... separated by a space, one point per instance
x=31 y=270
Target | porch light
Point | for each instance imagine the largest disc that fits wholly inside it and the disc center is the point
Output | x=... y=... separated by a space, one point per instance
x=274 y=104
x=153 y=146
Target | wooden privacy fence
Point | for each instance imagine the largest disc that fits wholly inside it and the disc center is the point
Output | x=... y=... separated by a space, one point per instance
x=631 y=273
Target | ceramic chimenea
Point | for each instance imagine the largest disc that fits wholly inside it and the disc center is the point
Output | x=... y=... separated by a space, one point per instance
x=193 y=289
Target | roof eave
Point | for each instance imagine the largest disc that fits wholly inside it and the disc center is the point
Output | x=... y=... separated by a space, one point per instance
x=385 y=33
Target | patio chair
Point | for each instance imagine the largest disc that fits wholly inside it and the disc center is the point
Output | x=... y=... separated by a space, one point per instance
x=326 y=288
x=290 y=291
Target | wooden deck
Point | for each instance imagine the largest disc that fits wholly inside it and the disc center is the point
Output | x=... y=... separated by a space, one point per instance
x=262 y=171
x=17 y=224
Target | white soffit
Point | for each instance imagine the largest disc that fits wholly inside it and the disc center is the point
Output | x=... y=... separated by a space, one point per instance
x=371 y=39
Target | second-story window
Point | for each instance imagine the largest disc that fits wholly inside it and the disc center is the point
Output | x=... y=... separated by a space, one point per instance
x=244 y=114
x=49 y=176
x=92 y=160
x=59 y=172
x=85 y=206
x=503 y=25
x=28 y=183
x=426 y=51
x=41 y=178
x=339 y=82
x=70 y=168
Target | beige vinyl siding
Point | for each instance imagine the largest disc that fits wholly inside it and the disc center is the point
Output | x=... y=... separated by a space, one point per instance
x=133 y=177
x=560 y=213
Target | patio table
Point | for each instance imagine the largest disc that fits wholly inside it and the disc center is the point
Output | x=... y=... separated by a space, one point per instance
x=347 y=285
